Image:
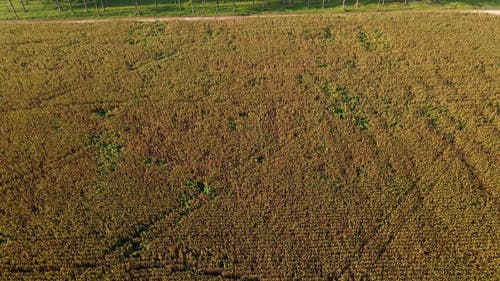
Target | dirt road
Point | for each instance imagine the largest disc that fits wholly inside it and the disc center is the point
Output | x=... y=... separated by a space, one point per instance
x=219 y=18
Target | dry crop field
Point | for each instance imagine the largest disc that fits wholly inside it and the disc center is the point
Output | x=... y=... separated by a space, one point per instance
x=326 y=147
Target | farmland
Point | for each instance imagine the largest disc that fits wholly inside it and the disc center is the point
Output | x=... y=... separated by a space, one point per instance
x=325 y=147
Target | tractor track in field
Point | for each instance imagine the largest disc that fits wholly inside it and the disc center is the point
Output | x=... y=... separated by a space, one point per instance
x=226 y=18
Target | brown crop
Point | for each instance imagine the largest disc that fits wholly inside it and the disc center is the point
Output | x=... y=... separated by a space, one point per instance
x=325 y=147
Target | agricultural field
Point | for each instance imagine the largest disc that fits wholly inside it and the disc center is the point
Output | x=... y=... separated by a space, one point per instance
x=50 y=9
x=315 y=147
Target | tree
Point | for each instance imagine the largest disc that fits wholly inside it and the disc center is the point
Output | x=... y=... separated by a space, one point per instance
x=323 y=5
x=234 y=6
x=70 y=7
x=85 y=5
x=13 y=9
x=58 y=5
x=192 y=7
x=6 y=6
x=357 y=3
x=137 y=10
x=378 y=5
x=343 y=5
x=97 y=8
x=22 y=4
x=156 y=6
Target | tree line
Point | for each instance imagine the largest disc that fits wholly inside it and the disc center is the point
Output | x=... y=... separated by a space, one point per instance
x=101 y=6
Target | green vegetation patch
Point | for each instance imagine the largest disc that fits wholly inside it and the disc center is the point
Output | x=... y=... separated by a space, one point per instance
x=345 y=105
x=104 y=113
x=373 y=40
x=107 y=151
